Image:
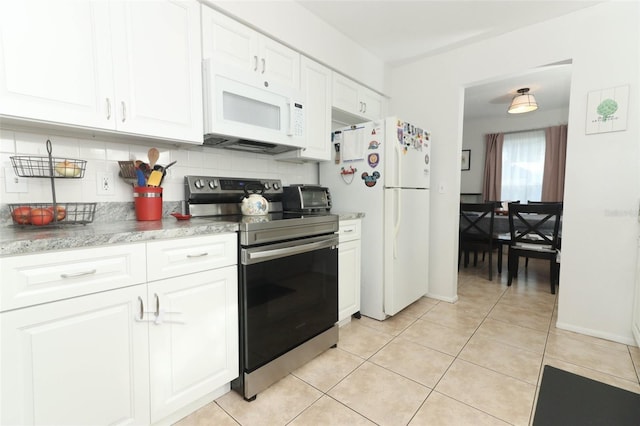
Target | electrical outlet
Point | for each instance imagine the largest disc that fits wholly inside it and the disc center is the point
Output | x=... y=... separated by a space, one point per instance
x=13 y=183
x=105 y=183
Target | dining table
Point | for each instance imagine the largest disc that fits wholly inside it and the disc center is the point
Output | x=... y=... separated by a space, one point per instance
x=502 y=233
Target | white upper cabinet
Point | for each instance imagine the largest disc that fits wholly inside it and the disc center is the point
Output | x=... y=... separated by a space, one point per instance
x=51 y=66
x=245 y=55
x=158 y=76
x=316 y=89
x=355 y=99
x=131 y=67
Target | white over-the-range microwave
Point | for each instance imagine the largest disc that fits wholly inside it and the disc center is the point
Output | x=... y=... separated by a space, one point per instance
x=245 y=117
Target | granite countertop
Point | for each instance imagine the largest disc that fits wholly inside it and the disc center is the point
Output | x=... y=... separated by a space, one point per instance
x=349 y=215
x=16 y=240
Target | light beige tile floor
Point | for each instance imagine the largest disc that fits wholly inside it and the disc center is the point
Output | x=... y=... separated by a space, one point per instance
x=475 y=362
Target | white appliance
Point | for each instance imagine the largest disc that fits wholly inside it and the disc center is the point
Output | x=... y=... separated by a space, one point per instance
x=381 y=168
x=246 y=117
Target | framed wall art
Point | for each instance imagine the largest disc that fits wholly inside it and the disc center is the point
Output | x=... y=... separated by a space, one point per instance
x=466 y=159
x=607 y=110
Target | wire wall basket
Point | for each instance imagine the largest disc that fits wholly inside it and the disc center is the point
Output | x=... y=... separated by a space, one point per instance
x=54 y=213
x=37 y=166
x=44 y=214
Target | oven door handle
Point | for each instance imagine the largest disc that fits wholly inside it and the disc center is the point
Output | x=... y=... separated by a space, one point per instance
x=276 y=253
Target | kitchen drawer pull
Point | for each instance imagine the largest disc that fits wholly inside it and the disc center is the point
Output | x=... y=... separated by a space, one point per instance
x=78 y=274
x=198 y=255
x=264 y=65
x=255 y=62
x=347 y=230
x=108 y=109
x=124 y=111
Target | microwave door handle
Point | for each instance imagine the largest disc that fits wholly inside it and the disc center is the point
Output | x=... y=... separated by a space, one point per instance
x=291 y=106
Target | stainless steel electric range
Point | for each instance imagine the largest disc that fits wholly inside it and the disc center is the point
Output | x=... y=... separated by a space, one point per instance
x=287 y=278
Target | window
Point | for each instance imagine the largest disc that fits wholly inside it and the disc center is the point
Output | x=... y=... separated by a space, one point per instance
x=523 y=165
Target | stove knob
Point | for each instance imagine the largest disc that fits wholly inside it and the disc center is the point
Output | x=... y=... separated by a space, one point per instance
x=199 y=184
x=276 y=186
x=213 y=184
x=266 y=185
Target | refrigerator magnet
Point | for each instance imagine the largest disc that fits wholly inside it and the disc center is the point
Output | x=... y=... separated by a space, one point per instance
x=374 y=145
x=373 y=160
x=370 y=180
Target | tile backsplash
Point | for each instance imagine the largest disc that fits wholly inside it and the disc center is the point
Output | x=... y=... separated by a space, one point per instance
x=102 y=156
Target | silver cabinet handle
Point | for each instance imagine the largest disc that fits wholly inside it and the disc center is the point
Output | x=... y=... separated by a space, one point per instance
x=264 y=65
x=78 y=274
x=160 y=314
x=124 y=111
x=255 y=62
x=141 y=309
x=198 y=255
x=157 y=312
x=365 y=106
x=346 y=231
x=108 y=109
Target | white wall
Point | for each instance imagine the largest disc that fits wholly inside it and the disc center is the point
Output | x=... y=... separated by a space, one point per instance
x=473 y=138
x=602 y=184
x=102 y=155
x=292 y=24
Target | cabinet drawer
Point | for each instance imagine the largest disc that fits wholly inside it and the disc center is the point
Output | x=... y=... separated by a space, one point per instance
x=349 y=230
x=40 y=278
x=170 y=258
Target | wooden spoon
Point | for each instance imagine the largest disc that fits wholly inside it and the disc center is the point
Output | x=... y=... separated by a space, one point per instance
x=153 y=155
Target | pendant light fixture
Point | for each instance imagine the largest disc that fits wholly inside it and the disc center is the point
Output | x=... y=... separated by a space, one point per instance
x=523 y=102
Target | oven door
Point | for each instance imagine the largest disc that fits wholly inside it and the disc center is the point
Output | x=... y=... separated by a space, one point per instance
x=288 y=295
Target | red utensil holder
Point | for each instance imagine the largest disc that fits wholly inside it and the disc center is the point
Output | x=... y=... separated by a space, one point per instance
x=148 y=202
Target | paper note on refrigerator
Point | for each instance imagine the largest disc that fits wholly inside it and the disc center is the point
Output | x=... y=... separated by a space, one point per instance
x=353 y=145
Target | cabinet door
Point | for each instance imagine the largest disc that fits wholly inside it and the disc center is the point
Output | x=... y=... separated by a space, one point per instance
x=356 y=99
x=244 y=55
x=279 y=65
x=158 y=75
x=316 y=85
x=81 y=361
x=372 y=104
x=345 y=95
x=233 y=46
x=348 y=278
x=55 y=62
x=194 y=345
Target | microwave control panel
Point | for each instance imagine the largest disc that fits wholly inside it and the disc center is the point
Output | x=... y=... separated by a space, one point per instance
x=297 y=120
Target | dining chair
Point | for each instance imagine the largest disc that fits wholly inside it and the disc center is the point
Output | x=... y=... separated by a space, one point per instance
x=526 y=262
x=533 y=237
x=476 y=232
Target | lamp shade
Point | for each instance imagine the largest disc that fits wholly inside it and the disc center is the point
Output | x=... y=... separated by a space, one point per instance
x=523 y=102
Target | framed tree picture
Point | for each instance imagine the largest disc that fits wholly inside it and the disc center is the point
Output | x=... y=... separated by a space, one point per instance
x=466 y=159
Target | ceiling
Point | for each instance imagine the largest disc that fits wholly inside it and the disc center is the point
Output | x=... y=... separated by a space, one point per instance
x=401 y=31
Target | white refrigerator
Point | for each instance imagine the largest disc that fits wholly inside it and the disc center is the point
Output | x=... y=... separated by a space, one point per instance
x=381 y=169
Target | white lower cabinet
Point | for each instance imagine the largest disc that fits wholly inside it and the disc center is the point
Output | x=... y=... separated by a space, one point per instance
x=81 y=361
x=138 y=354
x=194 y=340
x=349 y=264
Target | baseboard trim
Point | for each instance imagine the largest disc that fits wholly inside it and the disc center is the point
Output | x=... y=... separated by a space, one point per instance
x=453 y=299
x=625 y=340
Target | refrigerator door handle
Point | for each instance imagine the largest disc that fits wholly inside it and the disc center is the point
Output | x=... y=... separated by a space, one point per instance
x=396 y=226
x=396 y=158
